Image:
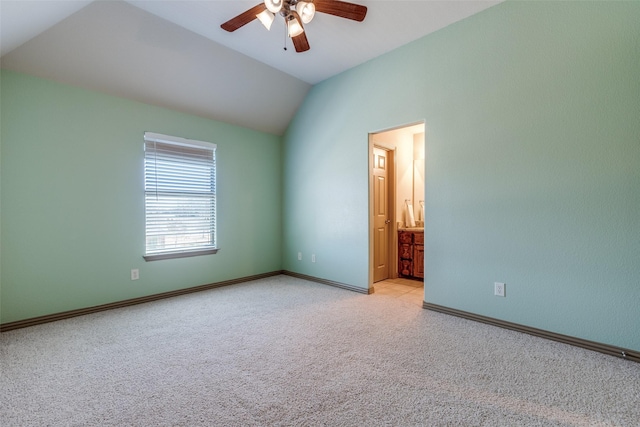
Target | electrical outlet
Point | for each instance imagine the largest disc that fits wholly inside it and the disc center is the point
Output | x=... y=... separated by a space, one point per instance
x=313 y=257
x=135 y=274
x=499 y=289
x=299 y=256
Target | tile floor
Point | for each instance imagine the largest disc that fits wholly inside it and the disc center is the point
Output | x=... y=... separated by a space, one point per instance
x=405 y=289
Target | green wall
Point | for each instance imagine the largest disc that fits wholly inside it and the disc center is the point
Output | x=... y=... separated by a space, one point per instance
x=532 y=114
x=72 y=199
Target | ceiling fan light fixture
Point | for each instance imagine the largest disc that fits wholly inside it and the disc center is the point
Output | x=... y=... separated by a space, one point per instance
x=266 y=17
x=306 y=10
x=274 y=6
x=294 y=27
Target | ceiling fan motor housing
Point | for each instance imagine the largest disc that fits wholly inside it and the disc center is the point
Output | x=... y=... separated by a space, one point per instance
x=287 y=6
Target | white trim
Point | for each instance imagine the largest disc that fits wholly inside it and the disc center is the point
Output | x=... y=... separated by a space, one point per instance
x=158 y=137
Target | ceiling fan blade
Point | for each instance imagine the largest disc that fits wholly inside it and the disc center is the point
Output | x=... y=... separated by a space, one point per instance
x=342 y=9
x=244 y=18
x=300 y=42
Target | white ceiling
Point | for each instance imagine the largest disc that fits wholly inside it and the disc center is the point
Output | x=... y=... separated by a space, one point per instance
x=206 y=70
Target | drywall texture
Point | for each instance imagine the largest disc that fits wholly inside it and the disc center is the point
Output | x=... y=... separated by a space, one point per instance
x=73 y=201
x=532 y=165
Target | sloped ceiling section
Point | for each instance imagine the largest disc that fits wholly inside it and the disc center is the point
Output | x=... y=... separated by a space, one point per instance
x=116 y=48
x=336 y=44
x=22 y=20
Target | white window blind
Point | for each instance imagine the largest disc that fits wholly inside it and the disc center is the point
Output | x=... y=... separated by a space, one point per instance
x=180 y=197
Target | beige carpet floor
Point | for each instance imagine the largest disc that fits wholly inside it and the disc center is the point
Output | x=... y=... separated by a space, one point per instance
x=287 y=352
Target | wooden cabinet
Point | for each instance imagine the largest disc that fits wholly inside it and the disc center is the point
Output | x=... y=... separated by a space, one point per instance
x=411 y=253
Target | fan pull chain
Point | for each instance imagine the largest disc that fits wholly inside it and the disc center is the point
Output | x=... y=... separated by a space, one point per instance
x=285 y=35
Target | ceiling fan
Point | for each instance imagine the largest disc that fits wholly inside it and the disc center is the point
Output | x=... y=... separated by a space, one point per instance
x=295 y=14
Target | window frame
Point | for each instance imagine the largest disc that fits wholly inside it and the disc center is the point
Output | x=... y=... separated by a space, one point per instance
x=186 y=144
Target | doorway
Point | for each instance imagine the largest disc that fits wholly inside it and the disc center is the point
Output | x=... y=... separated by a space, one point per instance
x=396 y=202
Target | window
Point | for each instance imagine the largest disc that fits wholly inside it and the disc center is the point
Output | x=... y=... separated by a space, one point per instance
x=179 y=197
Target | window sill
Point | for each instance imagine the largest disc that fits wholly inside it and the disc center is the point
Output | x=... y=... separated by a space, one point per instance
x=173 y=255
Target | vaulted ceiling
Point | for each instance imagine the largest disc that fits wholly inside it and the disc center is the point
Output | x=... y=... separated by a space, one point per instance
x=174 y=53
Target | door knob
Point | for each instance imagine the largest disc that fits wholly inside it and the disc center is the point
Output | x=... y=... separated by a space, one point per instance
x=387 y=221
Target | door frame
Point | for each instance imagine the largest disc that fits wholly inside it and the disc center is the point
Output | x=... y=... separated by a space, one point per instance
x=393 y=238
